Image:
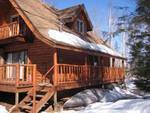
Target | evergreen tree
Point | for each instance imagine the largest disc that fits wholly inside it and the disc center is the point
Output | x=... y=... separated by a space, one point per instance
x=139 y=32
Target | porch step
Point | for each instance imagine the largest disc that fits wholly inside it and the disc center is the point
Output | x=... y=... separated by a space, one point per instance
x=41 y=99
x=45 y=84
x=39 y=96
x=30 y=102
x=26 y=107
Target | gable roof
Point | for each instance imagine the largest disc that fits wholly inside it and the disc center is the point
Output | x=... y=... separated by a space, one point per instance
x=41 y=19
x=70 y=14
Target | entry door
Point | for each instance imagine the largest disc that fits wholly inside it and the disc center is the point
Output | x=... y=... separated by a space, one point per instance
x=16 y=58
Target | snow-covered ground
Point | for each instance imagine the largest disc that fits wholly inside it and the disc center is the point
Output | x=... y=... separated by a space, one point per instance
x=112 y=101
x=3 y=109
x=121 y=106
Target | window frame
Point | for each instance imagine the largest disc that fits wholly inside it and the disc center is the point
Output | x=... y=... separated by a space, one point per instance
x=26 y=60
x=14 y=16
x=80 y=26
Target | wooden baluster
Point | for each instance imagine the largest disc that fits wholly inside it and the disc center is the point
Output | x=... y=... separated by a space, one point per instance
x=17 y=74
x=18 y=28
x=68 y=73
x=27 y=74
x=11 y=30
x=71 y=73
x=63 y=74
x=62 y=78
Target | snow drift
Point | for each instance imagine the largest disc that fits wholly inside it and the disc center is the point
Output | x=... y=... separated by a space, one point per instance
x=120 y=106
x=90 y=96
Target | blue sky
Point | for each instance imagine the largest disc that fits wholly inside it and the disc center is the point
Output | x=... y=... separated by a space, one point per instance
x=98 y=11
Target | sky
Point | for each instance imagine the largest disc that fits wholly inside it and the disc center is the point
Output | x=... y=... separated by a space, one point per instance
x=98 y=11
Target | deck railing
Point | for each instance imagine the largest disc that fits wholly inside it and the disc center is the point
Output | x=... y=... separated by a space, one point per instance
x=89 y=74
x=9 y=30
x=112 y=74
x=17 y=74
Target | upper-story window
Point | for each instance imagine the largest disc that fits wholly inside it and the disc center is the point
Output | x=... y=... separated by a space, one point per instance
x=80 y=26
x=14 y=18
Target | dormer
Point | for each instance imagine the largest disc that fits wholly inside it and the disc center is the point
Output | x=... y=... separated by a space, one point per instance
x=76 y=18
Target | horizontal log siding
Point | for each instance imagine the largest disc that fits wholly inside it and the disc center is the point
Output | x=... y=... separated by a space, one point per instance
x=70 y=57
x=38 y=52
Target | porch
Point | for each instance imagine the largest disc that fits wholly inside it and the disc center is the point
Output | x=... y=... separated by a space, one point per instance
x=21 y=77
x=67 y=76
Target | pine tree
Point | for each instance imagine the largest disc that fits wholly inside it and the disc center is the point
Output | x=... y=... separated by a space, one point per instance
x=139 y=30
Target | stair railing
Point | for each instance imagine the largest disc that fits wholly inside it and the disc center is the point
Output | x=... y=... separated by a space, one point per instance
x=45 y=75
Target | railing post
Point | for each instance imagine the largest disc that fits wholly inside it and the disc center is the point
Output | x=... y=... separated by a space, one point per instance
x=17 y=74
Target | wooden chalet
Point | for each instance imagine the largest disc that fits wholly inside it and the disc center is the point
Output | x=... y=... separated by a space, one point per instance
x=36 y=61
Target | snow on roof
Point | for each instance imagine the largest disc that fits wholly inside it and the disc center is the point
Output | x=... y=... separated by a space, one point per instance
x=73 y=40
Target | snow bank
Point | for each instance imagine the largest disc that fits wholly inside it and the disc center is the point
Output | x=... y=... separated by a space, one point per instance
x=121 y=106
x=84 y=98
x=89 y=96
x=76 y=41
x=3 y=109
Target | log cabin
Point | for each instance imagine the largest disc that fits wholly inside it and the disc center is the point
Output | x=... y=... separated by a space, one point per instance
x=44 y=50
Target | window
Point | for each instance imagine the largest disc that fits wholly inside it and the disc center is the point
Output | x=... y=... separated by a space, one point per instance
x=80 y=26
x=16 y=57
x=14 y=18
x=93 y=60
x=13 y=58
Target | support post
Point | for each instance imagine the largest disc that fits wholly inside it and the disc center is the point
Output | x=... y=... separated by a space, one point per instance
x=86 y=69
x=111 y=62
x=16 y=98
x=55 y=67
x=34 y=89
x=110 y=69
x=55 y=78
x=55 y=101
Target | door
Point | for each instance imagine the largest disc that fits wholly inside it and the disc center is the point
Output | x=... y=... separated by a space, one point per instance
x=15 y=58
